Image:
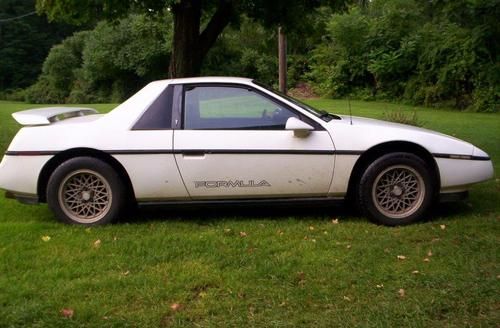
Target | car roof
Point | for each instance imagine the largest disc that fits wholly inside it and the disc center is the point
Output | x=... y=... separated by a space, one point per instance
x=207 y=79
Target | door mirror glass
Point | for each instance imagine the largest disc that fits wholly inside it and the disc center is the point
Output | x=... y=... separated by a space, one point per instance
x=300 y=129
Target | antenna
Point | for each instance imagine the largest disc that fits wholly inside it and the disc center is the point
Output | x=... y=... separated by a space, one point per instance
x=350 y=111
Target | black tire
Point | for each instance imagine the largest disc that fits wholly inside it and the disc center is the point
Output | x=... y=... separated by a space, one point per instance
x=86 y=191
x=396 y=189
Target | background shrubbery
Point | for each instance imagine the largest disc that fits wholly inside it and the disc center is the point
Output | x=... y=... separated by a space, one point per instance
x=105 y=64
x=434 y=53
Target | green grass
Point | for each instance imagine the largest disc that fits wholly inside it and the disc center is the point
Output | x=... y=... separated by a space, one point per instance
x=293 y=268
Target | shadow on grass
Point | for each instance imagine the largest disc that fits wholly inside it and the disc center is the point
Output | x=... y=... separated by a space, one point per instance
x=452 y=209
x=207 y=214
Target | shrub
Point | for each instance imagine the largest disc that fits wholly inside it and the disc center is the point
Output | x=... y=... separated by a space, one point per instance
x=403 y=118
x=59 y=71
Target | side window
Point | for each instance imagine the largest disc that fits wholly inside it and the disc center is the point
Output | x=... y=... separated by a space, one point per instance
x=159 y=114
x=227 y=107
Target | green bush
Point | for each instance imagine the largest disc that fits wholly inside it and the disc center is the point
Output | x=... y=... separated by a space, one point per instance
x=107 y=64
x=432 y=53
x=59 y=71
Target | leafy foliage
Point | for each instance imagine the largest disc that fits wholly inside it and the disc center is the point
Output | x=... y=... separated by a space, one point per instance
x=191 y=39
x=59 y=72
x=112 y=61
x=437 y=53
x=24 y=43
x=105 y=64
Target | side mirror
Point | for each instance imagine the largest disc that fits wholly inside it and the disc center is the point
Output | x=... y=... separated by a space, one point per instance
x=300 y=129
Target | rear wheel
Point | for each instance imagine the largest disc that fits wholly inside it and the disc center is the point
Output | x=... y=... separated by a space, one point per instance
x=396 y=189
x=86 y=191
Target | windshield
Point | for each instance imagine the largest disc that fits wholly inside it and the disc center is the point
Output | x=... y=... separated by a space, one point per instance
x=324 y=115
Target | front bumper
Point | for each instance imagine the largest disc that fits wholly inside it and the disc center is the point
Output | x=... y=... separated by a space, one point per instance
x=459 y=174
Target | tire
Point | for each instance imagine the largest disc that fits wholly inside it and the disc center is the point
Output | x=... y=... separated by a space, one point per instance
x=86 y=191
x=396 y=189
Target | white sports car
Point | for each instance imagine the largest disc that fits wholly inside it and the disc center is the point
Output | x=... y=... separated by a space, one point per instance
x=230 y=140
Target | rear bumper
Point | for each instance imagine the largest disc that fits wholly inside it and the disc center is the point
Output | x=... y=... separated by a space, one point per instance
x=19 y=174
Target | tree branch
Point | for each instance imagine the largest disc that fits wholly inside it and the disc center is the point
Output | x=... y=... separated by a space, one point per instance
x=215 y=26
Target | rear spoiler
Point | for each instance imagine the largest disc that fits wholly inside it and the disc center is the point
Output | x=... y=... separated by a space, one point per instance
x=48 y=115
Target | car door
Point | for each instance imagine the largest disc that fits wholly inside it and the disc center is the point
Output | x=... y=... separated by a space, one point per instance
x=233 y=144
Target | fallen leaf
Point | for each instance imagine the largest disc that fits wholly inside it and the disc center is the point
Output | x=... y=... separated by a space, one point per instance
x=280 y=232
x=311 y=228
x=243 y=234
x=401 y=257
x=67 y=313
x=335 y=221
x=97 y=243
x=348 y=246
x=429 y=253
x=415 y=272
x=126 y=273
x=442 y=226
x=427 y=259
x=176 y=306
x=313 y=240
x=306 y=238
x=380 y=286
x=346 y=298
x=301 y=278
x=46 y=238
x=401 y=292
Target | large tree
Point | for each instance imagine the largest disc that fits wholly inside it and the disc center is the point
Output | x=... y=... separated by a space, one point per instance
x=197 y=23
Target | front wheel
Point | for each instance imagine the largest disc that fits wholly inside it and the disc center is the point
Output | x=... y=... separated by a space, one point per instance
x=85 y=191
x=396 y=189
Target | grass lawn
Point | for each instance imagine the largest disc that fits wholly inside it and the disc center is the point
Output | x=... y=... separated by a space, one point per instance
x=265 y=268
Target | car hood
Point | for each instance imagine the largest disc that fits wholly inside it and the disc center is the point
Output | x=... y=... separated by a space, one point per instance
x=365 y=133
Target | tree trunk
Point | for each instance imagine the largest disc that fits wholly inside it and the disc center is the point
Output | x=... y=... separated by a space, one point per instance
x=185 y=60
x=189 y=46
